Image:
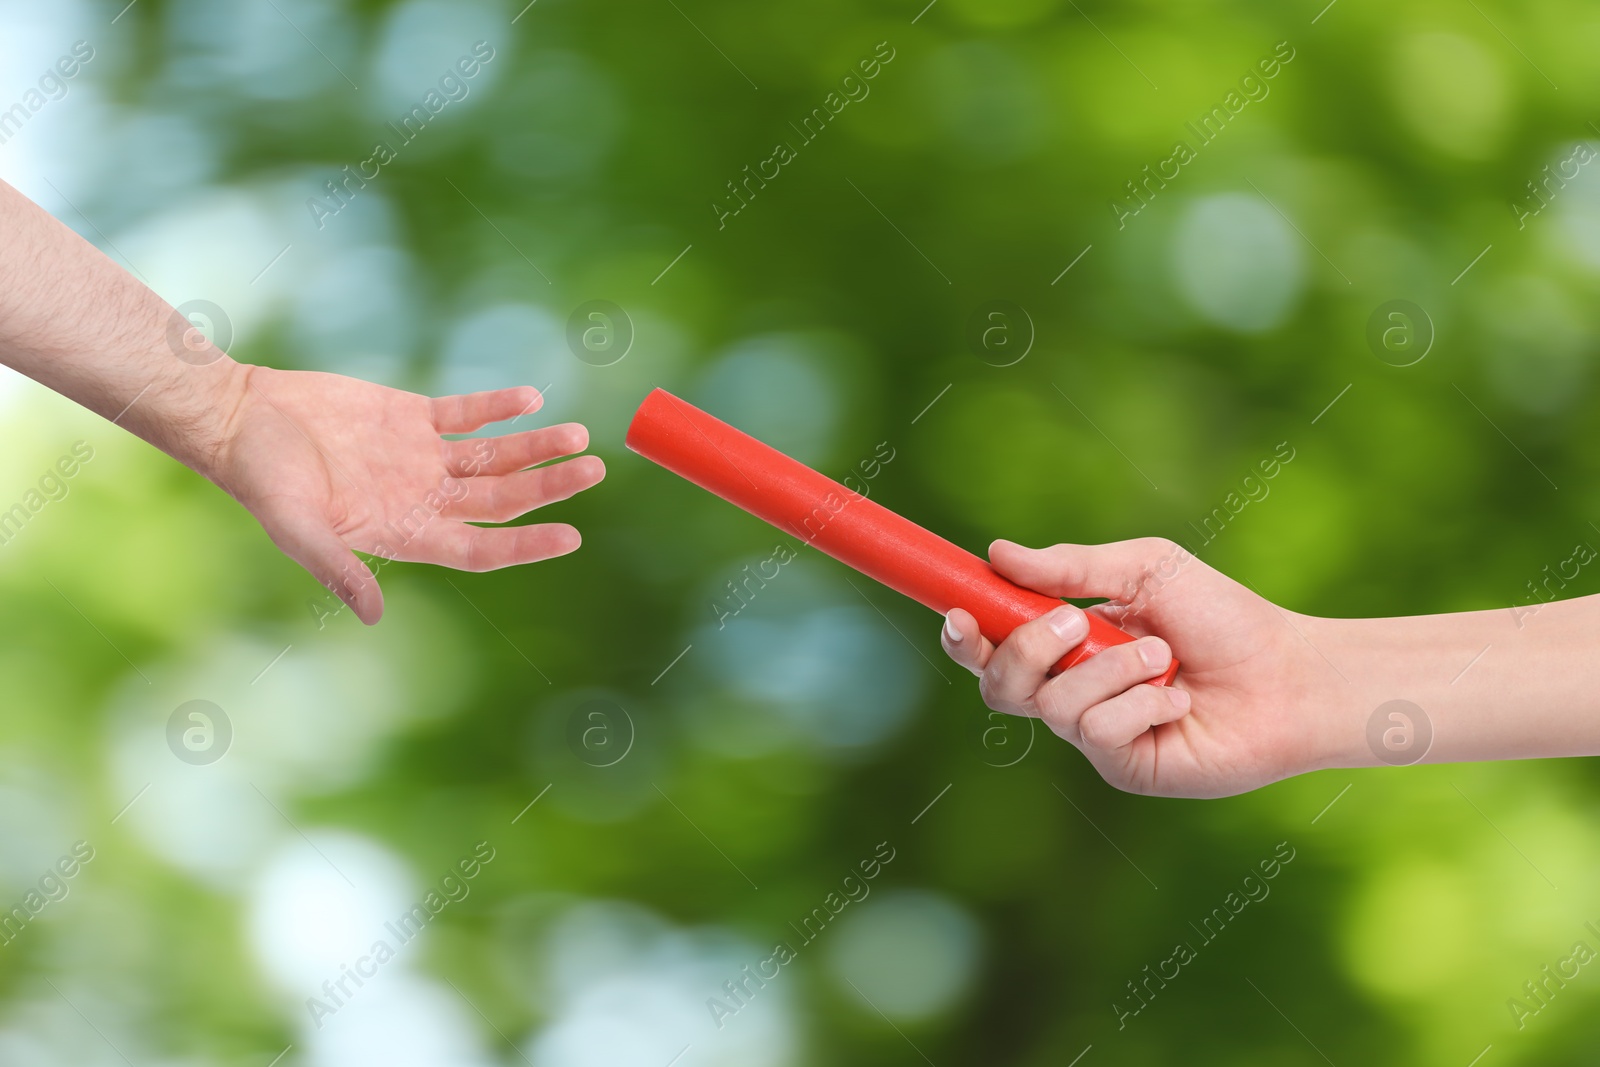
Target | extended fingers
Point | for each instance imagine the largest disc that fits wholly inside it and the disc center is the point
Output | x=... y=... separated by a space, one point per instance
x=474 y=548
x=502 y=498
x=963 y=643
x=1023 y=661
x=1065 y=700
x=514 y=452
x=470 y=411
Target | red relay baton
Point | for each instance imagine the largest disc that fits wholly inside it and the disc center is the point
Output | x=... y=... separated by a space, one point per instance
x=855 y=531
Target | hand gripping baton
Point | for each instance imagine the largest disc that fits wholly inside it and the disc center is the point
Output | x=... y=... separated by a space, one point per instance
x=846 y=525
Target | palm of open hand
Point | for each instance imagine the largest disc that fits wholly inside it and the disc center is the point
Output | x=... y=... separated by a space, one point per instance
x=331 y=465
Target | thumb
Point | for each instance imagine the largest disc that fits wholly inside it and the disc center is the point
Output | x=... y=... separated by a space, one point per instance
x=312 y=543
x=1116 y=571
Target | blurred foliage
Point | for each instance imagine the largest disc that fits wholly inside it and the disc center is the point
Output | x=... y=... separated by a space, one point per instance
x=832 y=313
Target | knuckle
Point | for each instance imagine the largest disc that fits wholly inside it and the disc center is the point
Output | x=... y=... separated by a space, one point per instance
x=1097 y=726
x=1068 y=560
x=1035 y=644
x=986 y=685
x=546 y=482
x=1128 y=666
x=1156 y=547
x=1164 y=566
x=1153 y=552
x=1064 y=717
x=991 y=687
x=1153 y=704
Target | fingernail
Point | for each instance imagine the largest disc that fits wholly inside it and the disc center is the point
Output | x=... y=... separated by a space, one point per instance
x=1068 y=623
x=1155 y=653
x=950 y=630
x=1179 y=697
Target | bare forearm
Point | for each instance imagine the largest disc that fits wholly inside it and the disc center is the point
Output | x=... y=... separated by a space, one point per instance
x=74 y=321
x=1498 y=684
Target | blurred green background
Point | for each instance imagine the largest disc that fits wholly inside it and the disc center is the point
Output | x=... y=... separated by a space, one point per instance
x=695 y=790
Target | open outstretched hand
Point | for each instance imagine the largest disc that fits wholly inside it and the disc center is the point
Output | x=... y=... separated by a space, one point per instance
x=331 y=465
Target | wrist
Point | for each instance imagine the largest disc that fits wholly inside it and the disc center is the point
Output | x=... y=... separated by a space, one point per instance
x=1346 y=692
x=1449 y=688
x=191 y=409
